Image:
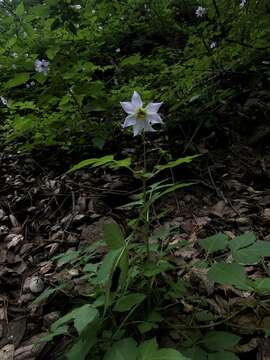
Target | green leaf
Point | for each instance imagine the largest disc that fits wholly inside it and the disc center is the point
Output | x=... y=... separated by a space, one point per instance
x=20 y=9
x=81 y=317
x=242 y=241
x=63 y=330
x=223 y=355
x=117 y=164
x=252 y=254
x=95 y=162
x=18 y=79
x=125 y=349
x=161 y=266
x=107 y=266
x=220 y=340
x=168 y=354
x=149 y=351
x=80 y=349
x=91 y=268
x=126 y=303
x=196 y=353
x=148 y=348
x=262 y=285
x=46 y=293
x=175 y=163
x=113 y=236
x=228 y=274
x=214 y=243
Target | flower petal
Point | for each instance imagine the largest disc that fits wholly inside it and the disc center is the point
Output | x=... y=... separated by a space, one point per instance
x=128 y=107
x=129 y=121
x=138 y=128
x=153 y=107
x=148 y=127
x=136 y=100
x=154 y=119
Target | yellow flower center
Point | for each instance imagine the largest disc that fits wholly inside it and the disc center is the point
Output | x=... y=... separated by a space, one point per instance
x=141 y=113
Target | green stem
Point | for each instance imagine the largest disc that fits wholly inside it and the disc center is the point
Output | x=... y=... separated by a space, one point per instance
x=145 y=212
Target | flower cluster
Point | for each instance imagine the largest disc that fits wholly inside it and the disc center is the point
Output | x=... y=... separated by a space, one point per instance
x=200 y=11
x=42 y=66
x=213 y=45
x=141 y=118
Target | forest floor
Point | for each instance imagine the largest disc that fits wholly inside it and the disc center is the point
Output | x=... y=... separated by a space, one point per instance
x=43 y=215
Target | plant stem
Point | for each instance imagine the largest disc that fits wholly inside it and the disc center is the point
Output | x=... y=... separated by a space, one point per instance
x=145 y=211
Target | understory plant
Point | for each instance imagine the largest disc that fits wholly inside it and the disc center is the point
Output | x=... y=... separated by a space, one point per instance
x=137 y=295
x=125 y=304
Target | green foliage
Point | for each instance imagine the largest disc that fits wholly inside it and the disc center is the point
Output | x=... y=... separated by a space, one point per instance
x=98 y=56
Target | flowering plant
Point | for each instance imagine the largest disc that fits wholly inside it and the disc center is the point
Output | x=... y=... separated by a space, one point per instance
x=141 y=118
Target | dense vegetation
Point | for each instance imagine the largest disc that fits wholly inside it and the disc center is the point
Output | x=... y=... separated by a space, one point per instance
x=208 y=68
x=65 y=68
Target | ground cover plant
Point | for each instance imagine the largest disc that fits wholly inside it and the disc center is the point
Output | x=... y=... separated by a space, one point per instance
x=133 y=278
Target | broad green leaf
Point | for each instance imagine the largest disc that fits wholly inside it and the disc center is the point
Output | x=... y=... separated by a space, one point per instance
x=242 y=241
x=91 y=268
x=168 y=354
x=146 y=326
x=252 y=254
x=114 y=239
x=220 y=340
x=113 y=236
x=228 y=274
x=223 y=355
x=81 y=317
x=262 y=285
x=20 y=9
x=62 y=330
x=107 y=266
x=131 y=60
x=214 y=243
x=175 y=163
x=125 y=349
x=126 y=303
x=161 y=266
x=148 y=348
x=149 y=351
x=48 y=292
x=18 y=79
x=80 y=349
x=196 y=353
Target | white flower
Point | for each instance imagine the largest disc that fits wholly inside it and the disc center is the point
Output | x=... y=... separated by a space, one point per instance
x=200 y=11
x=76 y=7
x=117 y=50
x=93 y=11
x=14 y=54
x=42 y=66
x=3 y=100
x=100 y=28
x=141 y=118
x=32 y=83
x=242 y=3
x=213 y=45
